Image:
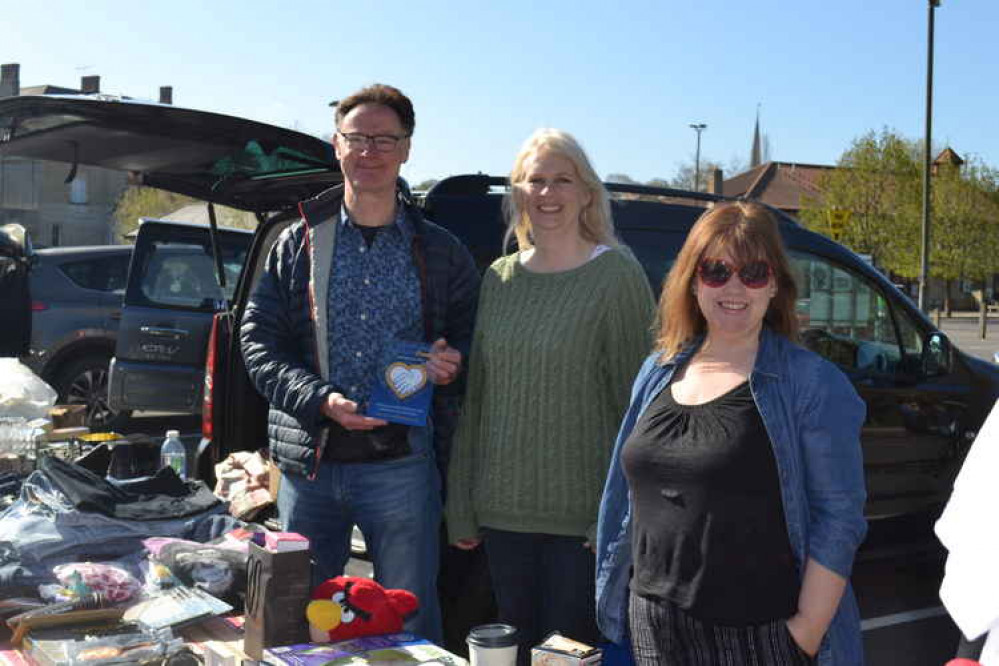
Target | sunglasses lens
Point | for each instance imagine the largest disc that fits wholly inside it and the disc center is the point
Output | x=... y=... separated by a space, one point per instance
x=714 y=273
x=755 y=274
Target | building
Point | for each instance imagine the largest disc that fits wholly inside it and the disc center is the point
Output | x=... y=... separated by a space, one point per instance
x=784 y=185
x=37 y=194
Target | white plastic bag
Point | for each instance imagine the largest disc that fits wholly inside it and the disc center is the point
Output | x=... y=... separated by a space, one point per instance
x=22 y=392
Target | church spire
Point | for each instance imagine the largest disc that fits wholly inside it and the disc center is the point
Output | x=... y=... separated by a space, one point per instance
x=755 y=155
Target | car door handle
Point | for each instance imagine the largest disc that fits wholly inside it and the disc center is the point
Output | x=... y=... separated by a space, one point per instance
x=158 y=332
x=115 y=316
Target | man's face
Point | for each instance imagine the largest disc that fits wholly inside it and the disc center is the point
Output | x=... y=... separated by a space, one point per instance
x=366 y=168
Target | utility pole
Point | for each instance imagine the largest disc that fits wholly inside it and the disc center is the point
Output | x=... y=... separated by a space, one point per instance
x=698 y=127
x=924 y=259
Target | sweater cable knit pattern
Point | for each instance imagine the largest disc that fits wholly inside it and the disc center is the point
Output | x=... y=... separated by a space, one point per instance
x=553 y=359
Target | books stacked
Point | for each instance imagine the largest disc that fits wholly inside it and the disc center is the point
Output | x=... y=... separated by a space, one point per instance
x=400 y=648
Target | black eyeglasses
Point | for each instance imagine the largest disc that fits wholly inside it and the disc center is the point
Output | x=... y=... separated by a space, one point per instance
x=716 y=273
x=383 y=143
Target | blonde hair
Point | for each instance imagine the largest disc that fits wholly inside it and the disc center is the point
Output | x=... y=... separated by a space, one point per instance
x=748 y=232
x=595 y=223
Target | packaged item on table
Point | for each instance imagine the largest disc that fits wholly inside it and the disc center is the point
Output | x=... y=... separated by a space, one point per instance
x=399 y=648
x=558 y=650
x=278 y=586
x=121 y=645
x=113 y=582
x=175 y=607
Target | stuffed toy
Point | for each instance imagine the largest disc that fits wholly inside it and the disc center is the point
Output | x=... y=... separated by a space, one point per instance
x=348 y=607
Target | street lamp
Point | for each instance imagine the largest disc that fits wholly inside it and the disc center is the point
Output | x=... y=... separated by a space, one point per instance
x=924 y=259
x=698 y=127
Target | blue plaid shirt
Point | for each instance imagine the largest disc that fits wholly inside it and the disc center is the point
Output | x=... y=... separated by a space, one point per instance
x=374 y=298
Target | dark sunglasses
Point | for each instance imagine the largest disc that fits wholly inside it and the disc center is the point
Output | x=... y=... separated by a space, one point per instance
x=716 y=273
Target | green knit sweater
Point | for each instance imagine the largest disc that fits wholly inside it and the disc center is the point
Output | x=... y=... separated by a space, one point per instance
x=552 y=363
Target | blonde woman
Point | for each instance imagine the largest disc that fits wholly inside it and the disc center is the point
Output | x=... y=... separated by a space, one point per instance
x=562 y=327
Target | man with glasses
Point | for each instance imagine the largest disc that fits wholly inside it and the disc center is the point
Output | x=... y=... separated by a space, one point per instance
x=361 y=269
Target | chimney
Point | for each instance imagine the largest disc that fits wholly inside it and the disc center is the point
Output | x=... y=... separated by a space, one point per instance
x=10 y=80
x=715 y=186
x=166 y=94
x=90 y=84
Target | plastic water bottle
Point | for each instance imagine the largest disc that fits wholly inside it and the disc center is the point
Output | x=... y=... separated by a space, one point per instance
x=174 y=454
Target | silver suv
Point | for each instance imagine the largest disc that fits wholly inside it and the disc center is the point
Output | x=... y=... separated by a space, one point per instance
x=76 y=295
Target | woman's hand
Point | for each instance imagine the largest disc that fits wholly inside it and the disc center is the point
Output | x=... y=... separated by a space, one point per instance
x=468 y=544
x=806 y=634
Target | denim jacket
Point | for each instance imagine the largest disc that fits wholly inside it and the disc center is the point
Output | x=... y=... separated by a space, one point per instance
x=813 y=418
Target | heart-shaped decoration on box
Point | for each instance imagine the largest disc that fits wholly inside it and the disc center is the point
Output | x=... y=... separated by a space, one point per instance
x=405 y=379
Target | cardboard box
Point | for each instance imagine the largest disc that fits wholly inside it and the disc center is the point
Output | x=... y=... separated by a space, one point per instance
x=68 y=416
x=557 y=650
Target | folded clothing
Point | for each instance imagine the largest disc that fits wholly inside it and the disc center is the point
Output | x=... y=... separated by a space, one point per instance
x=162 y=496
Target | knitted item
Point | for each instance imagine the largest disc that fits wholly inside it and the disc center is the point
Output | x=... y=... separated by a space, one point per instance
x=553 y=359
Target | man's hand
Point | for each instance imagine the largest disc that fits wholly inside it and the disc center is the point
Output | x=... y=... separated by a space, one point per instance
x=468 y=544
x=344 y=412
x=444 y=363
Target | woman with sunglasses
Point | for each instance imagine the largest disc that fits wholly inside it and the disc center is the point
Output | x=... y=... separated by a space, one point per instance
x=562 y=327
x=734 y=503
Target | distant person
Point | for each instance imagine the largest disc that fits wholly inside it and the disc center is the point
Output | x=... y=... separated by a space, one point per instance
x=562 y=328
x=359 y=270
x=734 y=503
x=15 y=291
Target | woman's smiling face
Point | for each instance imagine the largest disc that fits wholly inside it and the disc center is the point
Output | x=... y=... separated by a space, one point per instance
x=552 y=193
x=733 y=309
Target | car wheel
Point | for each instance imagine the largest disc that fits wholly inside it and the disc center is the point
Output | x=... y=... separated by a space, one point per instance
x=85 y=382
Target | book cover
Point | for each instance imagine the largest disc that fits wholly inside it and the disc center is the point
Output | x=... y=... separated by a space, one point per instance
x=403 y=390
x=401 y=648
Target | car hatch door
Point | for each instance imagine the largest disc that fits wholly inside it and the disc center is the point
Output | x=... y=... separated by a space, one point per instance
x=171 y=296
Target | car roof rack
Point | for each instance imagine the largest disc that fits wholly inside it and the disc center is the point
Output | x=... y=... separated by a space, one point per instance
x=480 y=183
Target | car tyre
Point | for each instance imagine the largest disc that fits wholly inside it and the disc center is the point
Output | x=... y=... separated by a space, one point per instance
x=85 y=382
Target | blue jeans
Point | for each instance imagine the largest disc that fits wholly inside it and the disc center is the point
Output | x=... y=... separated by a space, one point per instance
x=397 y=506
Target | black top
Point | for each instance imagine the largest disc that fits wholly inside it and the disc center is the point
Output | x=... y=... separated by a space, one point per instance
x=708 y=529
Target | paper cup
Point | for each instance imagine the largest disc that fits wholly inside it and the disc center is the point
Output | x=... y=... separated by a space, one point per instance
x=492 y=645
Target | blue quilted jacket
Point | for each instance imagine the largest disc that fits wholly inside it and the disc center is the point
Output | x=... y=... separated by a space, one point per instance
x=286 y=316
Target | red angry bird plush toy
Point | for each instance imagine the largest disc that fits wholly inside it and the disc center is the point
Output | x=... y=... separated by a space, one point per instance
x=347 y=607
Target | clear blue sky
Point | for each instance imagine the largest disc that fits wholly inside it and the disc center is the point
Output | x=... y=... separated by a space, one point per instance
x=626 y=78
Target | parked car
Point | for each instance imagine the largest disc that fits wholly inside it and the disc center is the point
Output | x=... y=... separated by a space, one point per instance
x=171 y=296
x=76 y=297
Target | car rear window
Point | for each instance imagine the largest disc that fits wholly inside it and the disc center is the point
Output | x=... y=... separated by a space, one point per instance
x=105 y=273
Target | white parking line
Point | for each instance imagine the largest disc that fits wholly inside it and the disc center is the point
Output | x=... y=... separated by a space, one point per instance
x=873 y=623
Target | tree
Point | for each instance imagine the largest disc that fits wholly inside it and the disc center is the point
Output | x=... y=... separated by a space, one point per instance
x=137 y=202
x=965 y=238
x=876 y=183
x=425 y=185
x=876 y=194
x=684 y=178
x=622 y=178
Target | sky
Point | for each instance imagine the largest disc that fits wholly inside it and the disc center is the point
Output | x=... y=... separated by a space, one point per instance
x=627 y=79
